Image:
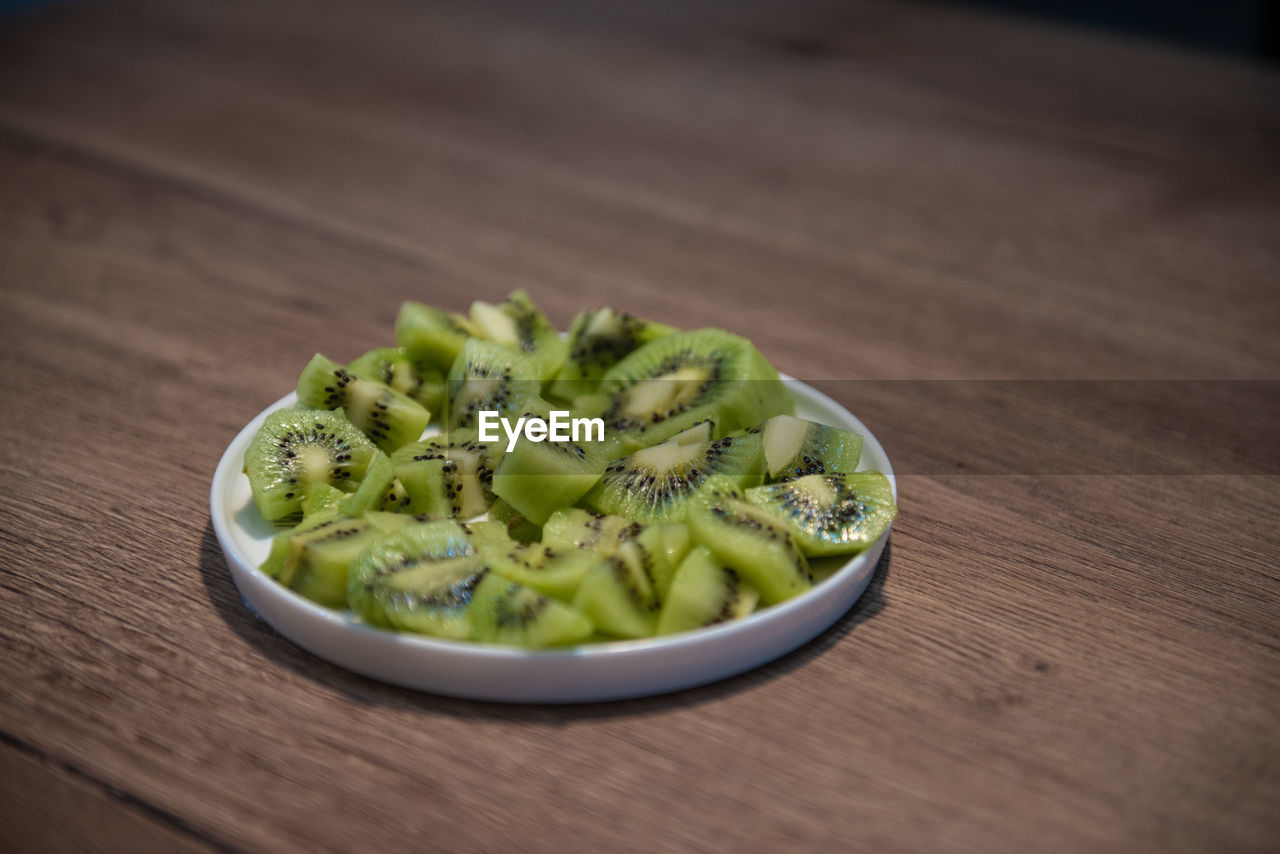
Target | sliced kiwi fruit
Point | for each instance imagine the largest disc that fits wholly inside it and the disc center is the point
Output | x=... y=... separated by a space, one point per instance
x=831 y=514
x=297 y=449
x=386 y=416
x=518 y=528
x=274 y=563
x=671 y=531
x=655 y=484
x=393 y=367
x=517 y=323
x=419 y=579
x=488 y=377
x=673 y=382
x=318 y=559
x=487 y=534
x=666 y=544
x=575 y=528
x=598 y=340
x=704 y=592
x=699 y=433
x=555 y=572
x=662 y=545
x=431 y=337
x=753 y=541
x=504 y=611
x=379 y=490
x=590 y=405
x=536 y=478
x=619 y=596
x=324 y=496
x=388 y=522
x=447 y=477
x=794 y=447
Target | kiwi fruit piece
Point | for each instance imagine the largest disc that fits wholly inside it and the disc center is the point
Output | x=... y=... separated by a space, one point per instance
x=598 y=339
x=673 y=382
x=297 y=449
x=589 y=405
x=619 y=596
x=488 y=376
x=487 y=534
x=504 y=611
x=418 y=579
x=517 y=323
x=274 y=564
x=431 y=337
x=518 y=528
x=705 y=592
x=388 y=522
x=753 y=541
x=447 y=477
x=655 y=484
x=794 y=447
x=318 y=558
x=379 y=490
x=536 y=478
x=324 y=496
x=386 y=416
x=393 y=367
x=575 y=528
x=666 y=545
x=663 y=545
x=698 y=434
x=831 y=514
x=555 y=572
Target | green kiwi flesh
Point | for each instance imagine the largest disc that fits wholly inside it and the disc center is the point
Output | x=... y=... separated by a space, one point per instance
x=655 y=484
x=537 y=478
x=795 y=448
x=297 y=449
x=318 y=559
x=379 y=490
x=598 y=340
x=667 y=544
x=274 y=564
x=431 y=337
x=673 y=382
x=516 y=323
x=518 y=528
x=619 y=596
x=831 y=514
x=504 y=611
x=754 y=542
x=393 y=367
x=487 y=534
x=699 y=433
x=386 y=416
x=324 y=496
x=575 y=528
x=488 y=376
x=419 y=579
x=447 y=477
x=704 y=592
x=554 y=572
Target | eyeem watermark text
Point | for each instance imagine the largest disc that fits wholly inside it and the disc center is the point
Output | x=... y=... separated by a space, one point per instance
x=560 y=428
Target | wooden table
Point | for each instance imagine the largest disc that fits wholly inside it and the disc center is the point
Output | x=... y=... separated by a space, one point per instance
x=1058 y=655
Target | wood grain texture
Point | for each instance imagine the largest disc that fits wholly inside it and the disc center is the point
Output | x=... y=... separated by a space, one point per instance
x=195 y=197
x=40 y=797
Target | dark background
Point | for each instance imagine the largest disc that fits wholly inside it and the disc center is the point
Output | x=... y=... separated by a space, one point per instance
x=1247 y=27
x=1244 y=27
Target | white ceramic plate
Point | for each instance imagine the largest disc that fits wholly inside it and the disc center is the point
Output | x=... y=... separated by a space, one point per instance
x=590 y=672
